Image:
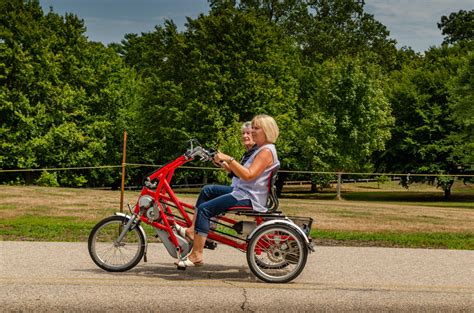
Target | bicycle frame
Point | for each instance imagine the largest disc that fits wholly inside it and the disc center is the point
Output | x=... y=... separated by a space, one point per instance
x=164 y=197
x=276 y=245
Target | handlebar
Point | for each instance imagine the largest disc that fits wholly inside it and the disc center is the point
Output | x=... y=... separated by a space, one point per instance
x=149 y=184
x=196 y=150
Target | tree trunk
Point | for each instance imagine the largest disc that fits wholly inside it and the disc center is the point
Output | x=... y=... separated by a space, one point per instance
x=447 y=193
x=28 y=178
x=447 y=189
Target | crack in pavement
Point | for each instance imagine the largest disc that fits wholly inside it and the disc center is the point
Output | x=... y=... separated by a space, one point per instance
x=244 y=304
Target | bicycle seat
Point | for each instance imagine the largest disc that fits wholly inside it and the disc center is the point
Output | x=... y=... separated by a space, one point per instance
x=272 y=200
x=238 y=209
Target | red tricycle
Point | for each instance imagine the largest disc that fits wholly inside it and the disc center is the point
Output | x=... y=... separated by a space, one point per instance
x=276 y=245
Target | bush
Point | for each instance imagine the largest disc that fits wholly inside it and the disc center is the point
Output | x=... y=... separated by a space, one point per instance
x=47 y=179
x=73 y=180
x=382 y=180
x=321 y=181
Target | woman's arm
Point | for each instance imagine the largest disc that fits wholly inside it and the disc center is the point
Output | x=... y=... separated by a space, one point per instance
x=262 y=160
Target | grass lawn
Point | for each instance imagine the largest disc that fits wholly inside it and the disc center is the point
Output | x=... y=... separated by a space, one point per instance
x=366 y=217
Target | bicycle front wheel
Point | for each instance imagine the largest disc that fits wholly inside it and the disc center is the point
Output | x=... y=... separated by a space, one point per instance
x=115 y=256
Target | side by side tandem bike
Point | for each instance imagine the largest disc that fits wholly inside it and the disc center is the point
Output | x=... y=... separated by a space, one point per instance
x=276 y=245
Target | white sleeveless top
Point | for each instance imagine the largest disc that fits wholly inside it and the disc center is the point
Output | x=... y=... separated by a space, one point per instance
x=256 y=190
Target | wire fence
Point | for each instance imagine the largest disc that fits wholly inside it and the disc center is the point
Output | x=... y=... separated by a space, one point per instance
x=131 y=165
x=305 y=175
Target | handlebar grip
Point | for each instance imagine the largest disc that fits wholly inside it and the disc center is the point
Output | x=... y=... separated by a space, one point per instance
x=149 y=184
x=212 y=152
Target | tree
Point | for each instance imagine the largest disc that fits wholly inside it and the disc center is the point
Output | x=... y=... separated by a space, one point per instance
x=461 y=99
x=345 y=116
x=458 y=26
x=62 y=99
x=459 y=30
x=422 y=139
x=232 y=64
x=222 y=70
x=325 y=29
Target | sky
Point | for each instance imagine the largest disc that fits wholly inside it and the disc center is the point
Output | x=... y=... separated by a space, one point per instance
x=412 y=23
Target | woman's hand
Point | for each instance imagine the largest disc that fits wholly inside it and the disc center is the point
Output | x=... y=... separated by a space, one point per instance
x=221 y=157
x=216 y=164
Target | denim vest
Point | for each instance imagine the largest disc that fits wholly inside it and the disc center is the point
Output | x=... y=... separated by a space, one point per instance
x=256 y=190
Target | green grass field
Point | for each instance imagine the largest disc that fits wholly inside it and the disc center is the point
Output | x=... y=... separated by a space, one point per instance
x=389 y=218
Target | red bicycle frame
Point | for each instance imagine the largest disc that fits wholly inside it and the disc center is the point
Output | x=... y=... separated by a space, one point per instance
x=165 y=197
x=276 y=245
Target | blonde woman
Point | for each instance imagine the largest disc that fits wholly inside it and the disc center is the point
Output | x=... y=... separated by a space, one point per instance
x=249 y=189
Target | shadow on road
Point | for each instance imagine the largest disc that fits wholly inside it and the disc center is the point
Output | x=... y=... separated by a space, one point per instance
x=168 y=271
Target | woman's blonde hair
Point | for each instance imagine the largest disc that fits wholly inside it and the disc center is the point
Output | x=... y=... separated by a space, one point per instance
x=269 y=126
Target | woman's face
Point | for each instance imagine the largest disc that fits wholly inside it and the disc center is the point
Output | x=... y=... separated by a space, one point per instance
x=247 y=139
x=258 y=135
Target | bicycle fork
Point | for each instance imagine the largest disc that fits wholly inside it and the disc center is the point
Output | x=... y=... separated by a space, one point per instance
x=124 y=230
x=133 y=221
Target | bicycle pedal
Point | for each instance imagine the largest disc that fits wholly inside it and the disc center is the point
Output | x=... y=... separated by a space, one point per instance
x=211 y=245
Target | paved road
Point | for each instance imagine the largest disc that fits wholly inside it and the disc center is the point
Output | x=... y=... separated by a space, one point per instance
x=38 y=276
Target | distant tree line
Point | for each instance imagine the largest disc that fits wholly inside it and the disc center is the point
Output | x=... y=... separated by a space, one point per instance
x=345 y=98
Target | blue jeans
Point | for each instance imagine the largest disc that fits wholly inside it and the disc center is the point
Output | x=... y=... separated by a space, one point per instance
x=214 y=200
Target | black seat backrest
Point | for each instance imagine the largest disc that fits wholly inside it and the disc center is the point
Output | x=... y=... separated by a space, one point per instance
x=272 y=201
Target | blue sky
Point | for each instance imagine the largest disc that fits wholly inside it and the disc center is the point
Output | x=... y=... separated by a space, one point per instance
x=411 y=23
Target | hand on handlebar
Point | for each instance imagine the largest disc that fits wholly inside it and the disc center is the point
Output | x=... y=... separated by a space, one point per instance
x=221 y=157
x=216 y=164
x=223 y=165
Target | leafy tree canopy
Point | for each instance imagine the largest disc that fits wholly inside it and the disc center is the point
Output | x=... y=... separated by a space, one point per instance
x=345 y=115
x=422 y=139
x=223 y=69
x=458 y=26
x=325 y=28
x=62 y=98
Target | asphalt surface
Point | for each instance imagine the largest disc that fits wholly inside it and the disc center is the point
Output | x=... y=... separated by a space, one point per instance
x=56 y=276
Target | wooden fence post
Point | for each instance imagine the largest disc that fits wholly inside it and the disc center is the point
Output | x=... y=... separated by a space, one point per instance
x=124 y=159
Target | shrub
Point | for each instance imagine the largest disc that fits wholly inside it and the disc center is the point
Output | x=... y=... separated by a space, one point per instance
x=47 y=179
x=382 y=180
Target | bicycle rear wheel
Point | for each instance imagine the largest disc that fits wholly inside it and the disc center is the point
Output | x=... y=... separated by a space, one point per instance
x=277 y=253
x=110 y=255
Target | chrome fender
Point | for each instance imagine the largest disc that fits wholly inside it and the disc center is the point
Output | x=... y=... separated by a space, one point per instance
x=140 y=228
x=284 y=222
